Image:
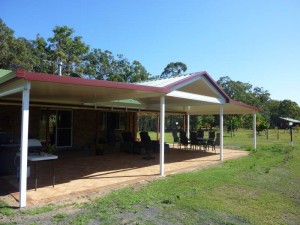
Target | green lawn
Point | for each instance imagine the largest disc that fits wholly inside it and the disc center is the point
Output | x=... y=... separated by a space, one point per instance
x=244 y=138
x=262 y=188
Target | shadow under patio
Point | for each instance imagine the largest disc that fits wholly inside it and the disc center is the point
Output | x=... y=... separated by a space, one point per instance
x=99 y=173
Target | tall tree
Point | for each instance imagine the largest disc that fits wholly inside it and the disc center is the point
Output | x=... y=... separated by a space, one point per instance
x=102 y=65
x=245 y=92
x=98 y=64
x=236 y=90
x=288 y=108
x=173 y=69
x=6 y=41
x=272 y=109
x=42 y=52
x=137 y=72
x=14 y=52
x=69 y=50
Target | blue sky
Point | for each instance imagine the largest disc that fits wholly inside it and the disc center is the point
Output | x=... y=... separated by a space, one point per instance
x=254 y=41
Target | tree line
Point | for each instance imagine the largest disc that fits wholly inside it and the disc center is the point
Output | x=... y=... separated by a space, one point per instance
x=80 y=60
x=77 y=58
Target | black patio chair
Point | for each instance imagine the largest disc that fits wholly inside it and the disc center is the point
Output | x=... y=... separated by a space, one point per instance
x=211 y=139
x=175 y=137
x=200 y=133
x=202 y=141
x=183 y=139
x=194 y=141
x=150 y=146
x=215 y=142
x=129 y=145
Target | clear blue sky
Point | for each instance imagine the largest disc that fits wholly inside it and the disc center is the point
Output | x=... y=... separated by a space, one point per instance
x=255 y=41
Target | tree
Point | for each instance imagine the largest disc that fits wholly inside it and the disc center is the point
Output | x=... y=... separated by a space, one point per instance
x=173 y=69
x=262 y=124
x=288 y=108
x=98 y=64
x=102 y=65
x=43 y=61
x=207 y=121
x=272 y=109
x=7 y=40
x=246 y=93
x=71 y=51
x=41 y=55
x=195 y=122
x=138 y=73
x=14 y=52
x=236 y=90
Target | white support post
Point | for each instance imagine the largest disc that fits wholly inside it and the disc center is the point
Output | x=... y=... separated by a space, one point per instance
x=254 y=131
x=24 y=146
x=221 y=133
x=162 y=136
x=188 y=126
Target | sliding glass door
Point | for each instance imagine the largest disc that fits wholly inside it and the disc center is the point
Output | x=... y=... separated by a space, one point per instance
x=56 y=127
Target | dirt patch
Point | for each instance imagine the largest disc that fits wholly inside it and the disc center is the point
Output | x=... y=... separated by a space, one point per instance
x=67 y=207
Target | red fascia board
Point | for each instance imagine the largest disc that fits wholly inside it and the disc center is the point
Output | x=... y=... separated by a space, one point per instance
x=52 y=78
x=245 y=105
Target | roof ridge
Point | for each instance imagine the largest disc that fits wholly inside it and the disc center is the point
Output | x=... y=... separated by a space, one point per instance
x=165 y=78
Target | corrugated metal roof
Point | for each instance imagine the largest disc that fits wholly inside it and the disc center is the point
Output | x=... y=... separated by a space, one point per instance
x=290 y=119
x=165 y=81
x=5 y=75
x=4 y=72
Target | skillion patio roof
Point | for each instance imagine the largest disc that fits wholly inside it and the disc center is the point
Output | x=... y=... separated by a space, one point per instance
x=192 y=94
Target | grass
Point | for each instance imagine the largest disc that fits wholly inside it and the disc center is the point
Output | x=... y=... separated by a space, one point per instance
x=262 y=188
x=6 y=210
x=59 y=217
x=243 y=138
x=44 y=209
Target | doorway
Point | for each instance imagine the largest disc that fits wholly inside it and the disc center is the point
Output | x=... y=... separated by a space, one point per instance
x=56 y=127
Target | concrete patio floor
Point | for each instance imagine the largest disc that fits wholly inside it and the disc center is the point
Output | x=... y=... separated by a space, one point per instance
x=92 y=174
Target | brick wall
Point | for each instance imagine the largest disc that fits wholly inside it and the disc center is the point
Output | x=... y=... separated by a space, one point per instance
x=10 y=120
x=84 y=128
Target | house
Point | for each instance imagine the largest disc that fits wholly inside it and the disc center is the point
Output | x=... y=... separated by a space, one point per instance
x=73 y=112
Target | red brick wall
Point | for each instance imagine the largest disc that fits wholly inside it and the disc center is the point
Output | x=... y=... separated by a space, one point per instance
x=10 y=120
x=84 y=128
x=84 y=124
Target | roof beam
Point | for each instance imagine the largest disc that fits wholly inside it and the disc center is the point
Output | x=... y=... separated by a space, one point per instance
x=14 y=87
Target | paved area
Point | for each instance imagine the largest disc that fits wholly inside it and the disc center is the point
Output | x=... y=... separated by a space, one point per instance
x=91 y=174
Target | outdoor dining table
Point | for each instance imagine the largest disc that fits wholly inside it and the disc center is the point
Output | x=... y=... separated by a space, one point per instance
x=204 y=141
x=42 y=156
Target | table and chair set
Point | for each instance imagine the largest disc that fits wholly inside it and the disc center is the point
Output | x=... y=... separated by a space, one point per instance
x=197 y=140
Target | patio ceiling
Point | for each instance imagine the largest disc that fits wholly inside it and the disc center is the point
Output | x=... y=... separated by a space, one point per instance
x=193 y=94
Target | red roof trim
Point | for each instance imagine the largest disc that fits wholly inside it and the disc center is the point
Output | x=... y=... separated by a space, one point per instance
x=52 y=78
x=206 y=75
x=244 y=105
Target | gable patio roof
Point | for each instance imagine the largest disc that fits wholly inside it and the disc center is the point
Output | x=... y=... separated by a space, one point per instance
x=190 y=94
x=195 y=93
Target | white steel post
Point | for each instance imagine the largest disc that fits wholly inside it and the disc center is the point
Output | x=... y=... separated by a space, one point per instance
x=221 y=133
x=162 y=136
x=188 y=126
x=254 y=131
x=24 y=146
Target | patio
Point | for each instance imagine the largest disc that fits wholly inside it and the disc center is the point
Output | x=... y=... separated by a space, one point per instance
x=84 y=175
x=69 y=112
